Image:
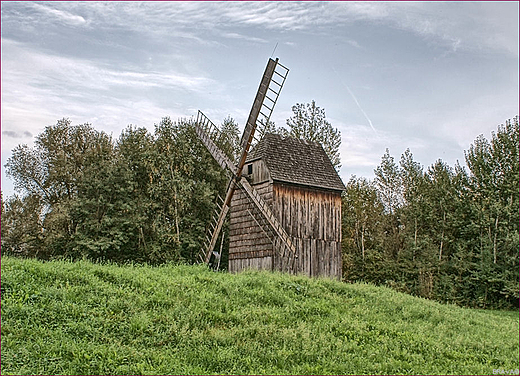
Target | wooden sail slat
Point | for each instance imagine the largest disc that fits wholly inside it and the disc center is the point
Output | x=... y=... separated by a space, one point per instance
x=215 y=152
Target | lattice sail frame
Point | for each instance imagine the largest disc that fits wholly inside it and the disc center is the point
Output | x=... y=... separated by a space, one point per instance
x=267 y=95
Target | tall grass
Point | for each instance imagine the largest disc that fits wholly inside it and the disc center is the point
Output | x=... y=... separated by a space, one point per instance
x=84 y=318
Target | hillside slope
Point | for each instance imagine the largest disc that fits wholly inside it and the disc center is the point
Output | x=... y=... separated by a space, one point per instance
x=84 y=318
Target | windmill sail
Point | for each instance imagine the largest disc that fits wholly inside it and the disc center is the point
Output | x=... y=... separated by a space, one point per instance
x=266 y=98
x=267 y=95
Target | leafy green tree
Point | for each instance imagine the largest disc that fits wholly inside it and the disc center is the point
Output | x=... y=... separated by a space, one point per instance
x=143 y=197
x=53 y=166
x=309 y=123
x=416 y=269
x=51 y=170
x=228 y=139
x=22 y=226
x=269 y=127
x=265 y=127
x=494 y=184
x=440 y=195
x=109 y=208
x=412 y=180
x=187 y=181
x=447 y=233
x=388 y=182
x=362 y=212
x=26 y=167
x=389 y=188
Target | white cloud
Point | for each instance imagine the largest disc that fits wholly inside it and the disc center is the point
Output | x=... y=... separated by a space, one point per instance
x=458 y=25
x=476 y=117
x=455 y=24
x=243 y=37
x=60 y=15
x=27 y=72
x=361 y=150
x=39 y=88
x=37 y=68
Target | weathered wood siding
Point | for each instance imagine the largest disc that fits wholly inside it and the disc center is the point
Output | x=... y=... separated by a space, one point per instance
x=260 y=173
x=249 y=247
x=312 y=217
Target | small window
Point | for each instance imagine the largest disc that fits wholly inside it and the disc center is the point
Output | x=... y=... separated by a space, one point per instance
x=249 y=169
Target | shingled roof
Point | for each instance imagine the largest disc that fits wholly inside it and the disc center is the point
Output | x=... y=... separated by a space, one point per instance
x=296 y=161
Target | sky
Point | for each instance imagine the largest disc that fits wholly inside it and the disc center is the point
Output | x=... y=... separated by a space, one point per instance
x=428 y=76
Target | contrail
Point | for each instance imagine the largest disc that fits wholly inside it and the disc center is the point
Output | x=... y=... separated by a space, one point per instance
x=359 y=106
x=355 y=100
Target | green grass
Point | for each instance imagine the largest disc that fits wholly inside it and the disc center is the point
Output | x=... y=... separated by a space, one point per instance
x=85 y=318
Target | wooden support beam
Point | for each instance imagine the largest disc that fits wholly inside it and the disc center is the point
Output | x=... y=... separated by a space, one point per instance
x=250 y=128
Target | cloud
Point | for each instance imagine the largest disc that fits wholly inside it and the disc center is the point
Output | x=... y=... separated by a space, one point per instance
x=353 y=43
x=60 y=15
x=242 y=37
x=65 y=74
x=13 y=134
x=38 y=88
x=456 y=25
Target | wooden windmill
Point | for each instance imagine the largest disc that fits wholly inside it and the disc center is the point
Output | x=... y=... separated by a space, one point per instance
x=268 y=233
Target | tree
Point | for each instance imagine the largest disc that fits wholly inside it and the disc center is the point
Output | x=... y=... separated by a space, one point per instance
x=22 y=226
x=269 y=127
x=228 y=140
x=494 y=186
x=144 y=197
x=186 y=182
x=207 y=180
x=439 y=180
x=112 y=203
x=309 y=123
x=361 y=215
x=388 y=182
x=26 y=167
x=412 y=180
x=51 y=170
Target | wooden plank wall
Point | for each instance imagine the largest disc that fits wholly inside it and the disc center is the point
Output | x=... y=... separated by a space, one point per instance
x=249 y=247
x=260 y=172
x=313 y=218
x=259 y=263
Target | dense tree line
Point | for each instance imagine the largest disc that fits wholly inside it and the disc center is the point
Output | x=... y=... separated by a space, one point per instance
x=143 y=197
x=446 y=233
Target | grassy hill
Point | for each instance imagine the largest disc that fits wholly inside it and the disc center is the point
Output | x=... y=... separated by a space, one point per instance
x=84 y=318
